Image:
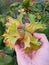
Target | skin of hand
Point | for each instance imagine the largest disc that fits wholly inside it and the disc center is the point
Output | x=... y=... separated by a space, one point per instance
x=39 y=57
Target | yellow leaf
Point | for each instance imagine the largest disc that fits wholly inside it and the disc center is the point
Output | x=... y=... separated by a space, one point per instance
x=26 y=40
x=32 y=27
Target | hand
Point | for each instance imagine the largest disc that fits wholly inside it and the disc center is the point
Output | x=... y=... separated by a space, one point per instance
x=39 y=57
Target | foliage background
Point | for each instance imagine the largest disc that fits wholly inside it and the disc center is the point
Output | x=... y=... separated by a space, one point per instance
x=4 y=4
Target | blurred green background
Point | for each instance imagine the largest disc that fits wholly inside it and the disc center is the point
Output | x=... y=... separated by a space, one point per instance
x=4 y=11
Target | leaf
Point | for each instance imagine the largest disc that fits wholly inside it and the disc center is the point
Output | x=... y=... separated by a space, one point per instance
x=46 y=32
x=13 y=8
x=27 y=3
x=48 y=8
x=35 y=47
x=1 y=41
x=11 y=34
x=2 y=6
x=5 y=59
x=32 y=27
x=26 y=40
x=12 y=29
x=32 y=18
x=37 y=7
x=38 y=16
x=44 y=18
x=30 y=43
x=8 y=51
x=10 y=40
x=14 y=5
x=2 y=28
x=12 y=21
x=33 y=40
x=3 y=19
x=19 y=17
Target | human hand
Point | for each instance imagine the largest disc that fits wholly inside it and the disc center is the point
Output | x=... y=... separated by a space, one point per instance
x=42 y=55
x=39 y=57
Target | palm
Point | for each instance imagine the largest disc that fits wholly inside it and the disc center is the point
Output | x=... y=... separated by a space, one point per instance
x=41 y=57
x=33 y=58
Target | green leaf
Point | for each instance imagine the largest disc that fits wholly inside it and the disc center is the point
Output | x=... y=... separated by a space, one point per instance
x=47 y=7
x=26 y=3
x=32 y=18
x=2 y=28
x=33 y=40
x=13 y=9
x=2 y=6
x=12 y=29
x=14 y=5
x=8 y=51
x=35 y=47
x=1 y=40
x=19 y=17
x=3 y=19
x=5 y=59
x=44 y=17
x=37 y=7
x=46 y=31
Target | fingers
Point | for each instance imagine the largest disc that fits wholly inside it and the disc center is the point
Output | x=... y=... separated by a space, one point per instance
x=41 y=37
